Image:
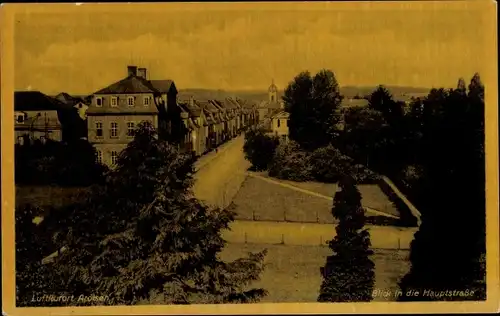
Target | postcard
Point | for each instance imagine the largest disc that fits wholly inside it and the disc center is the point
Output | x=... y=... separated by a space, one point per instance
x=249 y=158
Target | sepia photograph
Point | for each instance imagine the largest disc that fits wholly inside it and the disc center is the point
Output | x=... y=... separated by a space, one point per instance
x=214 y=158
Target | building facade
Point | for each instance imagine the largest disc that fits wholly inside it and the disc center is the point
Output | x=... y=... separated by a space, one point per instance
x=117 y=110
x=279 y=124
x=39 y=117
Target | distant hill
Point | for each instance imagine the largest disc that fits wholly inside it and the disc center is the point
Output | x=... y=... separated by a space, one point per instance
x=347 y=91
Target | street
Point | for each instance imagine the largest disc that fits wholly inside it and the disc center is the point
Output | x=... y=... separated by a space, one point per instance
x=218 y=181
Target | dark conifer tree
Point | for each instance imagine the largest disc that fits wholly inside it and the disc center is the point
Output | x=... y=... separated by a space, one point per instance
x=348 y=275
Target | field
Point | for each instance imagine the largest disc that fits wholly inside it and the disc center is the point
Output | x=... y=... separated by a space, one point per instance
x=307 y=204
x=292 y=273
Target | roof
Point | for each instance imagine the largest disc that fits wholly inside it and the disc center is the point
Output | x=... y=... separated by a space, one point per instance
x=131 y=84
x=230 y=104
x=36 y=101
x=72 y=100
x=281 y=114
x=162 y=86
x=192 y=108
x=269 y=105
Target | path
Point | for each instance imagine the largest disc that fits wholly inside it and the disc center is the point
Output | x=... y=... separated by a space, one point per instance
x=219 y=176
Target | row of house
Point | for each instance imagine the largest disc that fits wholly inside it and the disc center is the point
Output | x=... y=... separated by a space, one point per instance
x=109 y=117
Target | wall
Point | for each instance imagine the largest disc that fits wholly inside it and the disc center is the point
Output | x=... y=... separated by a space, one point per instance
x=47 y=119
x=311 y=234
x=282 y=129
x=122 y=121
x=410 y=215
x=122 y=101
x=106 y=150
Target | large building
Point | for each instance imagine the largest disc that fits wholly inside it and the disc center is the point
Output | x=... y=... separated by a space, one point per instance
x=195 y=126
x=117 y=109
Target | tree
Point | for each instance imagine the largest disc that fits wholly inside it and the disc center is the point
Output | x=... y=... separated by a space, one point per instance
x=365 y=136
x=32 y=277
x=396 y=135
x=259 y=148
x=382 y=101
x=348 y=275
x=313 y=104
x=144 y=238
x=461 y=87
x=452 y=195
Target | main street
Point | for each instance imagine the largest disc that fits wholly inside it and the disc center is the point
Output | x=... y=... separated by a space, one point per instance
x=220 y=175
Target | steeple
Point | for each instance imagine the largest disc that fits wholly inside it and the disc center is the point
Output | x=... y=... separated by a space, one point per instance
x=272 y=92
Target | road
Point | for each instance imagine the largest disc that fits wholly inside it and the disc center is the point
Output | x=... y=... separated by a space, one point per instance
x=217 y=181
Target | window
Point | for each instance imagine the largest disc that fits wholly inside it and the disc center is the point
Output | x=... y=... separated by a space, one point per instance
x=114 y=129
x=114 y=101
x=42 y=139
x=131 y=101
x=98 y=102
x=98 y=129
x=146 y=101
x=130 y=129
x=114 y=157
x=98 y=156
x=272 y=98
x=20 y=140
x=20 y=118
x=279 y=121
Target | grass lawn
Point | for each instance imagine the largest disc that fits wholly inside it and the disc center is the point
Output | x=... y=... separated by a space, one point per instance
x=293 y=275
x=371 y=194
x=261 y=200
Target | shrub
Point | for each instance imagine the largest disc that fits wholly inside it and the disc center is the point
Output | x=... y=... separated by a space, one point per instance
x=363 y=175
x=329 y=164
x=259 y=148
x=291 y=163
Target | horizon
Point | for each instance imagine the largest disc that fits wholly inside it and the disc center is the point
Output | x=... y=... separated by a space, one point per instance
x=389 y=87
x=223 y=46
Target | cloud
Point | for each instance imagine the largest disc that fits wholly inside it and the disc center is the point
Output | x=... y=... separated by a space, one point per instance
x=248 y=49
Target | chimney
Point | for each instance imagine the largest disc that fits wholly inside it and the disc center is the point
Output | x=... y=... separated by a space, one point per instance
x=132 y=70
x=191 y=101
x=141 y=72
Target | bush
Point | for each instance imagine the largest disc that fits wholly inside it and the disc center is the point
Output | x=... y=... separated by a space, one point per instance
x=259 y=148
x=329 y=164
x=363 y=175
x=291 y=163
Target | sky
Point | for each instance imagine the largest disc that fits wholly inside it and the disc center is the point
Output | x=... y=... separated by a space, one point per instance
x=237 y=46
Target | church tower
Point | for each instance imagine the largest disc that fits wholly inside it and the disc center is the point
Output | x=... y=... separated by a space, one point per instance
x=273 y=92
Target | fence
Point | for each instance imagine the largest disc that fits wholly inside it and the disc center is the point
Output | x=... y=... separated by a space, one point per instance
x=315 y=217
x=312 y=234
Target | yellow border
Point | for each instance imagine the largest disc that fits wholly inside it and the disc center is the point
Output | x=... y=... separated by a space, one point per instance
x=486 y=8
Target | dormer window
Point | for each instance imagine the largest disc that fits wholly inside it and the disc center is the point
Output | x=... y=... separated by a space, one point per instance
x=99 y=101
x=20 y=118
x=131 y=101
x=114 y=101
x=146 y=101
